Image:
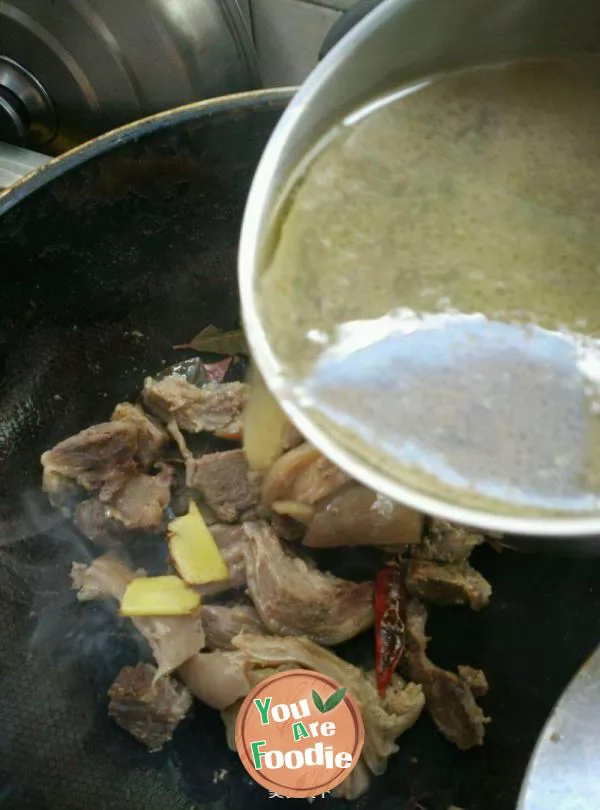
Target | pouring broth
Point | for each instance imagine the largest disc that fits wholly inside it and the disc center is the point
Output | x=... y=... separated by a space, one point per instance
x=432 y=289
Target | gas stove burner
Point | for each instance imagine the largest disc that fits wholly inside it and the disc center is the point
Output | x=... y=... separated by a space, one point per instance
x=27 y=116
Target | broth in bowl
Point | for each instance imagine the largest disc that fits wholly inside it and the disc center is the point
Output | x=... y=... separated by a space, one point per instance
x=431 y=290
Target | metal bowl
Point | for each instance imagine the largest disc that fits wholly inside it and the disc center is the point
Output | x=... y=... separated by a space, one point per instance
x=563 y=771
x=399 y=42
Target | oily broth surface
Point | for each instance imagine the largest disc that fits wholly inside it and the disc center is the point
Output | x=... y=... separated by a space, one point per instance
x=433 y=296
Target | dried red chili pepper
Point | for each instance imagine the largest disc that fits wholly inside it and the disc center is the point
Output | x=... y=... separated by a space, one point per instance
x=390 y=622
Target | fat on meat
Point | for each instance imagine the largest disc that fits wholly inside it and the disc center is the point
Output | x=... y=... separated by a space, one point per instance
x=302 y=475
x=217 y=678
x=357 y=516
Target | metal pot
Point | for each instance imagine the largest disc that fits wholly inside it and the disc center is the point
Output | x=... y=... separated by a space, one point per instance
x=399 y=42
x=72 y=69
x=15 y=163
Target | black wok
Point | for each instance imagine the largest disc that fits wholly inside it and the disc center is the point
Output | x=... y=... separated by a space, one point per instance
x=108 y=257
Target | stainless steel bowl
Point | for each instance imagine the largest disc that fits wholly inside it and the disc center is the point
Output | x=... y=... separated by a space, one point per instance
x=563 y=771
x=399 y=42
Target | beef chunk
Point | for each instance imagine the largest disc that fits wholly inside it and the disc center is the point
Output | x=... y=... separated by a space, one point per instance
x=446 y=542
x=95 y=520
x=286 y=528
x=450 y=698
x=293 y=598
x=149 y=710
x=140 y=504
x=101 y=459
x=226 y=484
x=151 y=436
x=215 y=407
x=231 y=541
x=449 y=584
x=223 y=623
x=63 y=493
x=302 y=475
x=475 y=678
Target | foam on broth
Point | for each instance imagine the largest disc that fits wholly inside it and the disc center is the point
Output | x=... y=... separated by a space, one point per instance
x=433 y=289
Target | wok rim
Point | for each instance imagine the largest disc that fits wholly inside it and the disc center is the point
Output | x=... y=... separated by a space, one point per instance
x=100 y=145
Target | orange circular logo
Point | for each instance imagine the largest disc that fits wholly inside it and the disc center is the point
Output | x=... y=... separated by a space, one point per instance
x=299 y=734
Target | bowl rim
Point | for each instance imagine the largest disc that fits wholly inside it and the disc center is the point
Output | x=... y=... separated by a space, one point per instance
x=266 y=185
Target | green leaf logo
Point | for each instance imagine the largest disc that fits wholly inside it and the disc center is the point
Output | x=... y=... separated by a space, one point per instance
x=317 y=700
x=332 y=701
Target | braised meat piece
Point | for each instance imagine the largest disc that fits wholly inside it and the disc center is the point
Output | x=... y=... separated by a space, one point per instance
x=105 y=577
x=63 y=493
x=286 y=528
x=475 y=678
x=232 y=542
x=217 y=678
x=447 y=542
x=152 y=438
x=96 y=521
x=450 y=698
x=215 y=407
x=223 y=623
x=226 y=484
x=448 y=584
x=150 y=710
x=385 y=718
x=302 y=475
x=101 y=459
x=140 y=504
x=172 y=639
x=357 y=516
x=293 y=598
